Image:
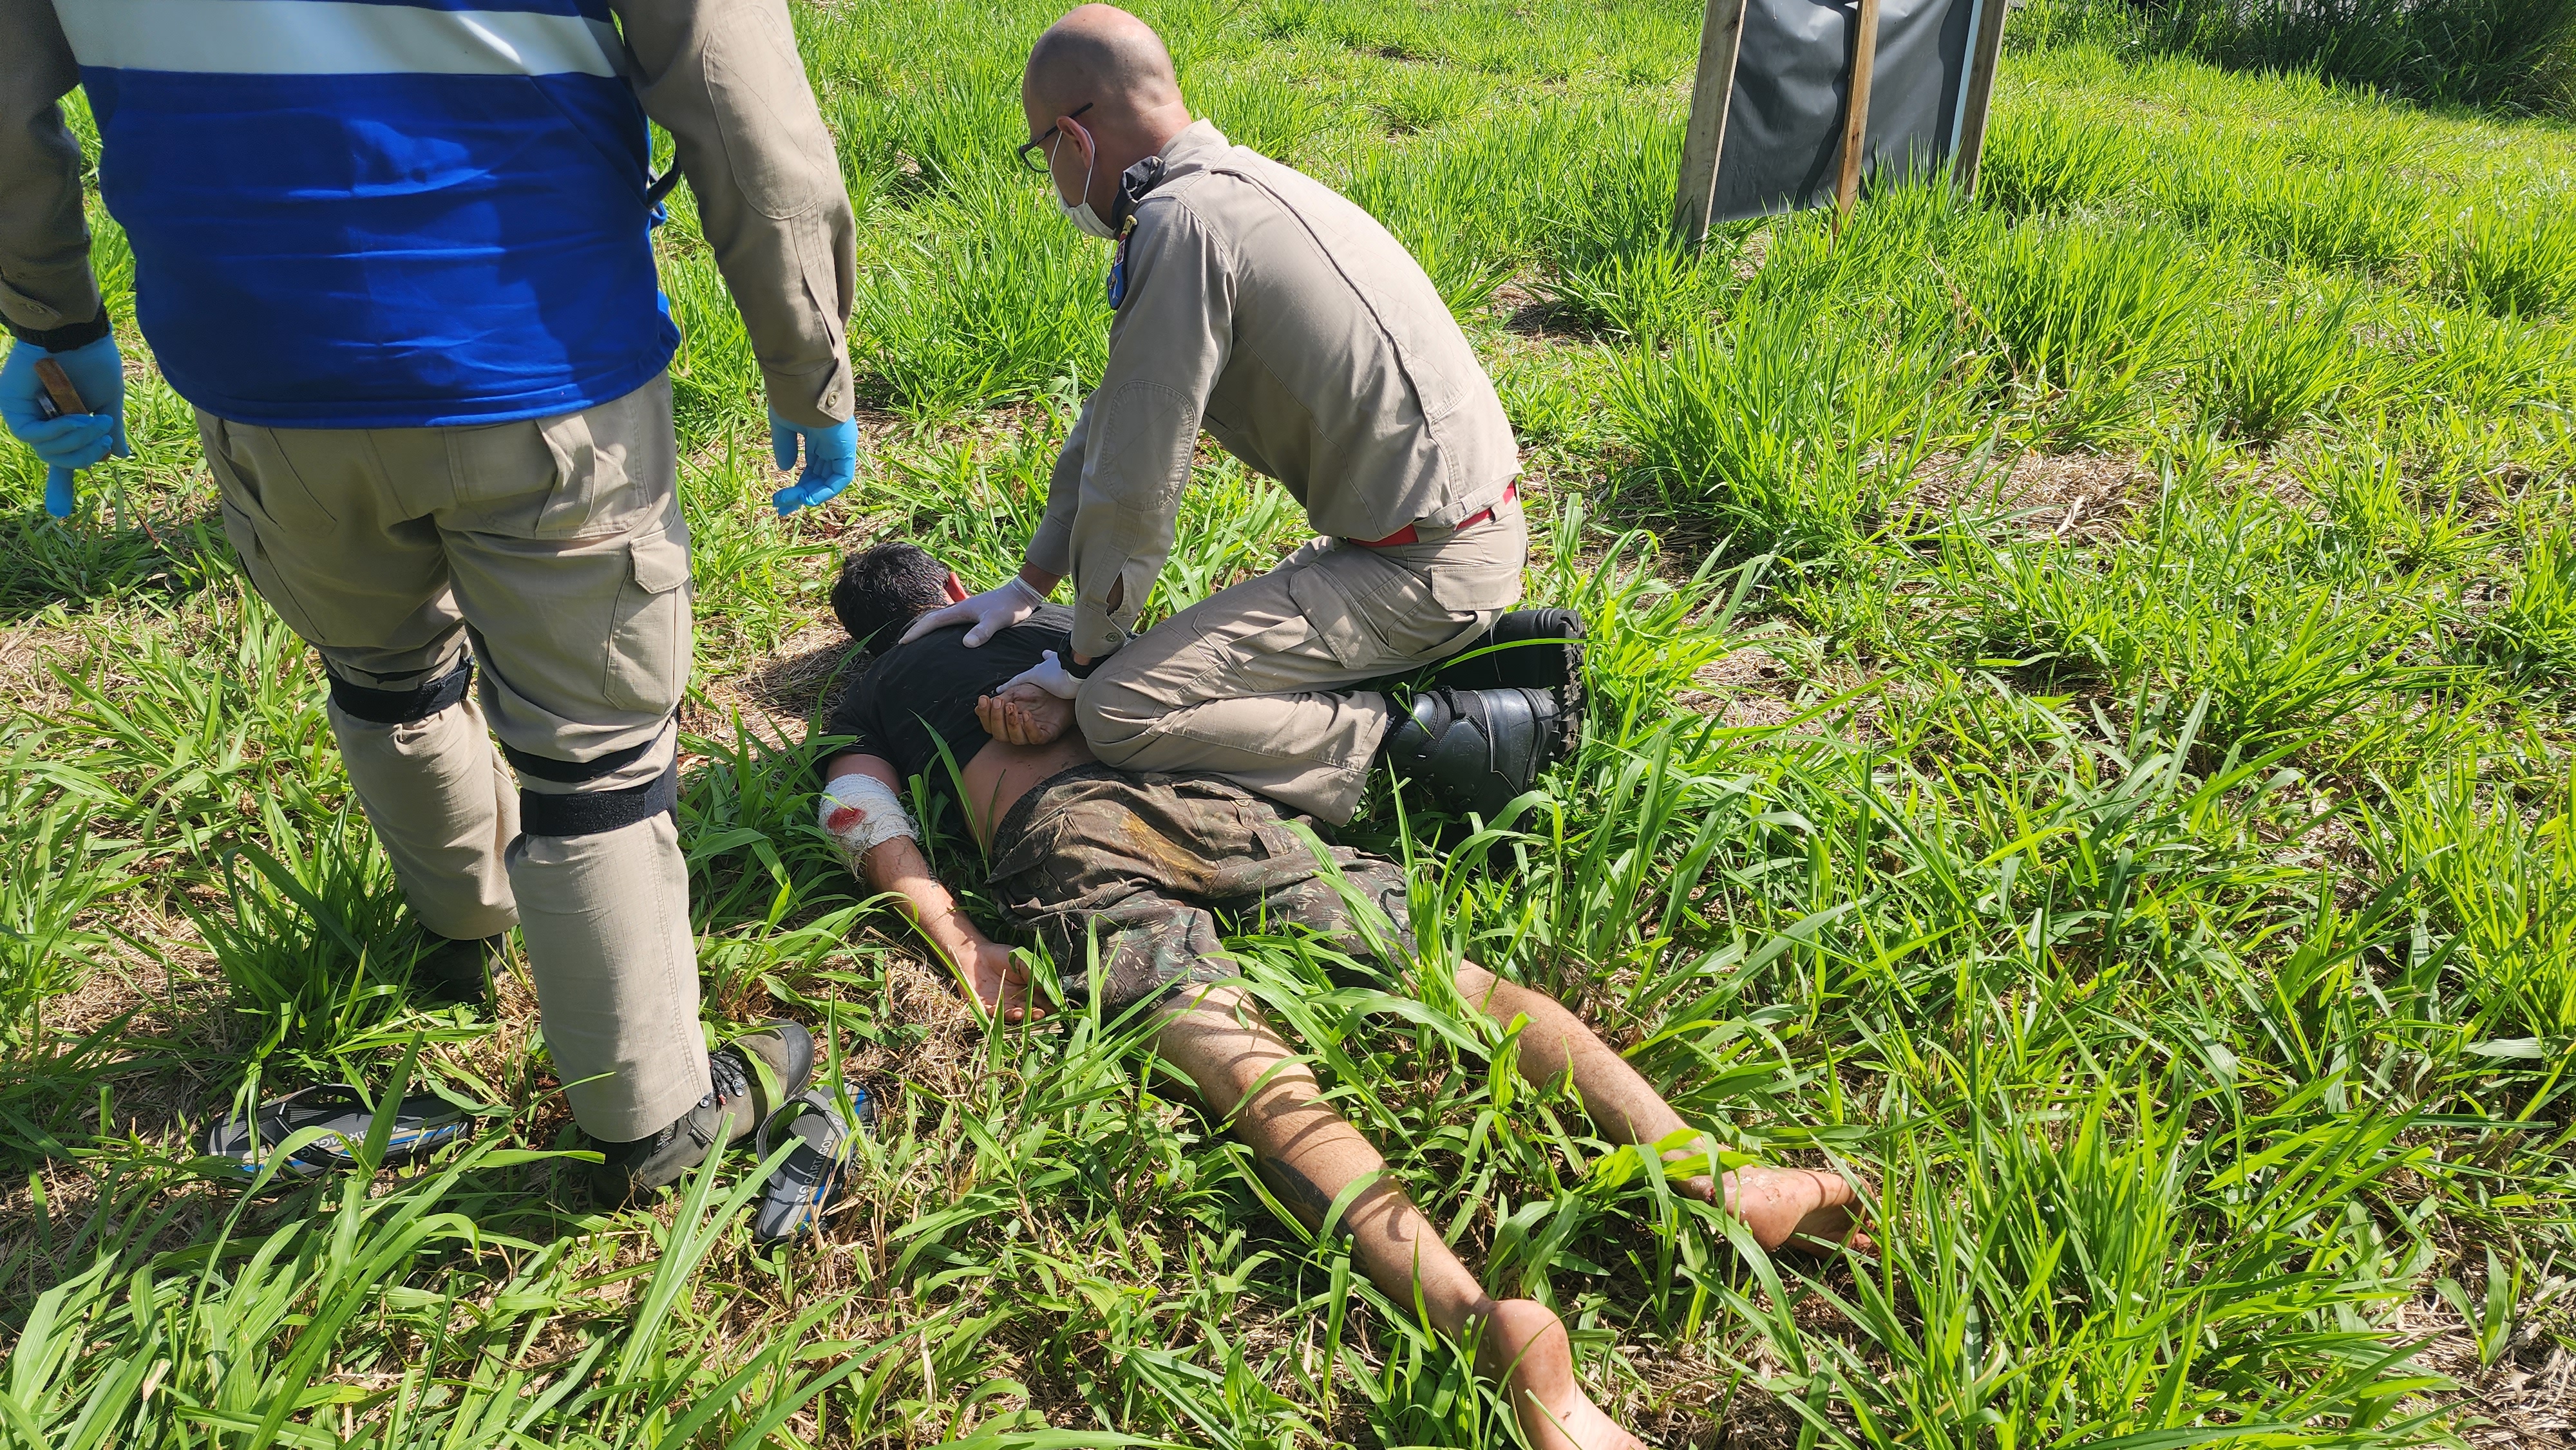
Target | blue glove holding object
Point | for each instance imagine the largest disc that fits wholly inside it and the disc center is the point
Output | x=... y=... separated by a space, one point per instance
x=70 y=441
x=831 y=460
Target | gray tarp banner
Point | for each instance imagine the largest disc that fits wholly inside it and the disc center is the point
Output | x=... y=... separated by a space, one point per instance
x=1784 y=126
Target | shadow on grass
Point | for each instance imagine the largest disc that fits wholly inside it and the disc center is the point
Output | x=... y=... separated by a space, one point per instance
x=804 y=685
x=86 y=561
x=151 y=1067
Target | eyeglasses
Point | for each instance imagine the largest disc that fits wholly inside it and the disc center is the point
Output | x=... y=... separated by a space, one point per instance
x=1030 y=152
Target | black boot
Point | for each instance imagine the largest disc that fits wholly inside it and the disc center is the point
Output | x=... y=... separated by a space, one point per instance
x=1533 y=649
x=753 y=1074
x=1477 y=749
x=450 y=971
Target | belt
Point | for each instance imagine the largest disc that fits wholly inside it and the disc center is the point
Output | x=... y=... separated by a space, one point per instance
x=1407 y=535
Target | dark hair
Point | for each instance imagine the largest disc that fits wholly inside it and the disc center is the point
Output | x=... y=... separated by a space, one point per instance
x=881 y=589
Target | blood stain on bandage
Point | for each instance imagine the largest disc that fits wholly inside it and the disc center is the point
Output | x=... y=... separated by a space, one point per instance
x=843 y=818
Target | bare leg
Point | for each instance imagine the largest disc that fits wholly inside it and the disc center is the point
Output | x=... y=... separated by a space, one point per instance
x=1793 y=1206
x=1309 y=1154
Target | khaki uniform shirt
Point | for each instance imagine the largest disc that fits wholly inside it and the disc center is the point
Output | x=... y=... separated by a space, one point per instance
x=1270 y=309
x=722 y=76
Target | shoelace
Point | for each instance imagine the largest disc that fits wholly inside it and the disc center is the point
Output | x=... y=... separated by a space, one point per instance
x=732 y=1078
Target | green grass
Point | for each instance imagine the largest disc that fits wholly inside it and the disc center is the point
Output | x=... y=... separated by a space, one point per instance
x=2278 y=367
x=2513 y=265
x=2513 y=56
x=2081 y=739
x=2085 y=316
x=1778 y=429
x=2052 y=156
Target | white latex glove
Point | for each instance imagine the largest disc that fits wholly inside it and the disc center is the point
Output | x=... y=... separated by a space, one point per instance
x=1048 y=674
x=990 y=611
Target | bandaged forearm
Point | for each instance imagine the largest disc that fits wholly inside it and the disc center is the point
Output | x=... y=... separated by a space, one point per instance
x=862 y=813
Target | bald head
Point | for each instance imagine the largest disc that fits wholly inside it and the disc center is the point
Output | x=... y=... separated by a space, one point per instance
x=1101 y=56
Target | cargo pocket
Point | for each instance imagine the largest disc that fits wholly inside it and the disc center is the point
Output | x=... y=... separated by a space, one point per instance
x=1276 y=841
x=1293 y=635
x=1396 y=627
x=649 y=641
x=1328 y=610
x=1480 y=570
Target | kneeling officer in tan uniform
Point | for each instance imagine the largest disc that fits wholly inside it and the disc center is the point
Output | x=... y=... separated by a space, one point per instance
x=1260 y=304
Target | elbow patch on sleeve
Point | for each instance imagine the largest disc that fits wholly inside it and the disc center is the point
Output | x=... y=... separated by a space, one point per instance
x=1146 y=436
x=765 y=110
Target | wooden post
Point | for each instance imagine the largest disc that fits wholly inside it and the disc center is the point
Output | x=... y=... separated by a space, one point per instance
x=1856 y=110
x=1976 y=92
x=1721 y=34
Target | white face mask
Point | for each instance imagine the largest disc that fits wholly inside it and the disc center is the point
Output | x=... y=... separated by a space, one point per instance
x=1084 y=219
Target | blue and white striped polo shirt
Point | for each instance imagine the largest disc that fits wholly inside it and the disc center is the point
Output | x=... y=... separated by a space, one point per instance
x=350 y=214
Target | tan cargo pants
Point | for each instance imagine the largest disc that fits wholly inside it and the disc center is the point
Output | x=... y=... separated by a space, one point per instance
x=1243 y=683
x=556 y=550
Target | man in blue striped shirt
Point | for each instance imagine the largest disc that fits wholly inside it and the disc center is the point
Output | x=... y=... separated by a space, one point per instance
x=396 y=255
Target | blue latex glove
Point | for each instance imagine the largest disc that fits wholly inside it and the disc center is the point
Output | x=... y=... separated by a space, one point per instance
x=831 y=460
x=73 y=441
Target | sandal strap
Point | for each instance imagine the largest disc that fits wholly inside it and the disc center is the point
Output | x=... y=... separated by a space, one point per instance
x=276 y=1111
x=789 y=1110
x=820 y=1100
x=270 y=1123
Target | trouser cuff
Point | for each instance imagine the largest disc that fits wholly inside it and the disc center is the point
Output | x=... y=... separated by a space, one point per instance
x=610 y=1112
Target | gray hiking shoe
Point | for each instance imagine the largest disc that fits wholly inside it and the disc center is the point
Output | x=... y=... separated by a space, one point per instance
x=755 y=1074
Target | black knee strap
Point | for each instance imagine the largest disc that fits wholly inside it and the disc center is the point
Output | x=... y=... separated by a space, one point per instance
x=576 y=772
x=402 y=707
x=597 y=812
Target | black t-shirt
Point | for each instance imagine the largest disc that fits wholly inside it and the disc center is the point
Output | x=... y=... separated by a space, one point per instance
x=914 y=696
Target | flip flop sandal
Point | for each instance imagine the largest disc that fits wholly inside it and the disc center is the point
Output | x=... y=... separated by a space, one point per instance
x=421 y=1122
x=810 y=1179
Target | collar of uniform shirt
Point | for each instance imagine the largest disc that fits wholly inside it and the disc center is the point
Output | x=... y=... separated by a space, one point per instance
x=1133 y=185
x=1199 y=145
x=1139 y=180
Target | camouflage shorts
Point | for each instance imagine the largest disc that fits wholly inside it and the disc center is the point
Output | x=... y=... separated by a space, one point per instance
x=1159 y=866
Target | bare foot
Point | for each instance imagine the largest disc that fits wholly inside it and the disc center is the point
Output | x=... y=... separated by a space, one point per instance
x=1024 y=715
x=1524 y=1345
x=1794 y=1208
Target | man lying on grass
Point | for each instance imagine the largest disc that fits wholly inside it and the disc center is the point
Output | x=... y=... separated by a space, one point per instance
x=1148 y=863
